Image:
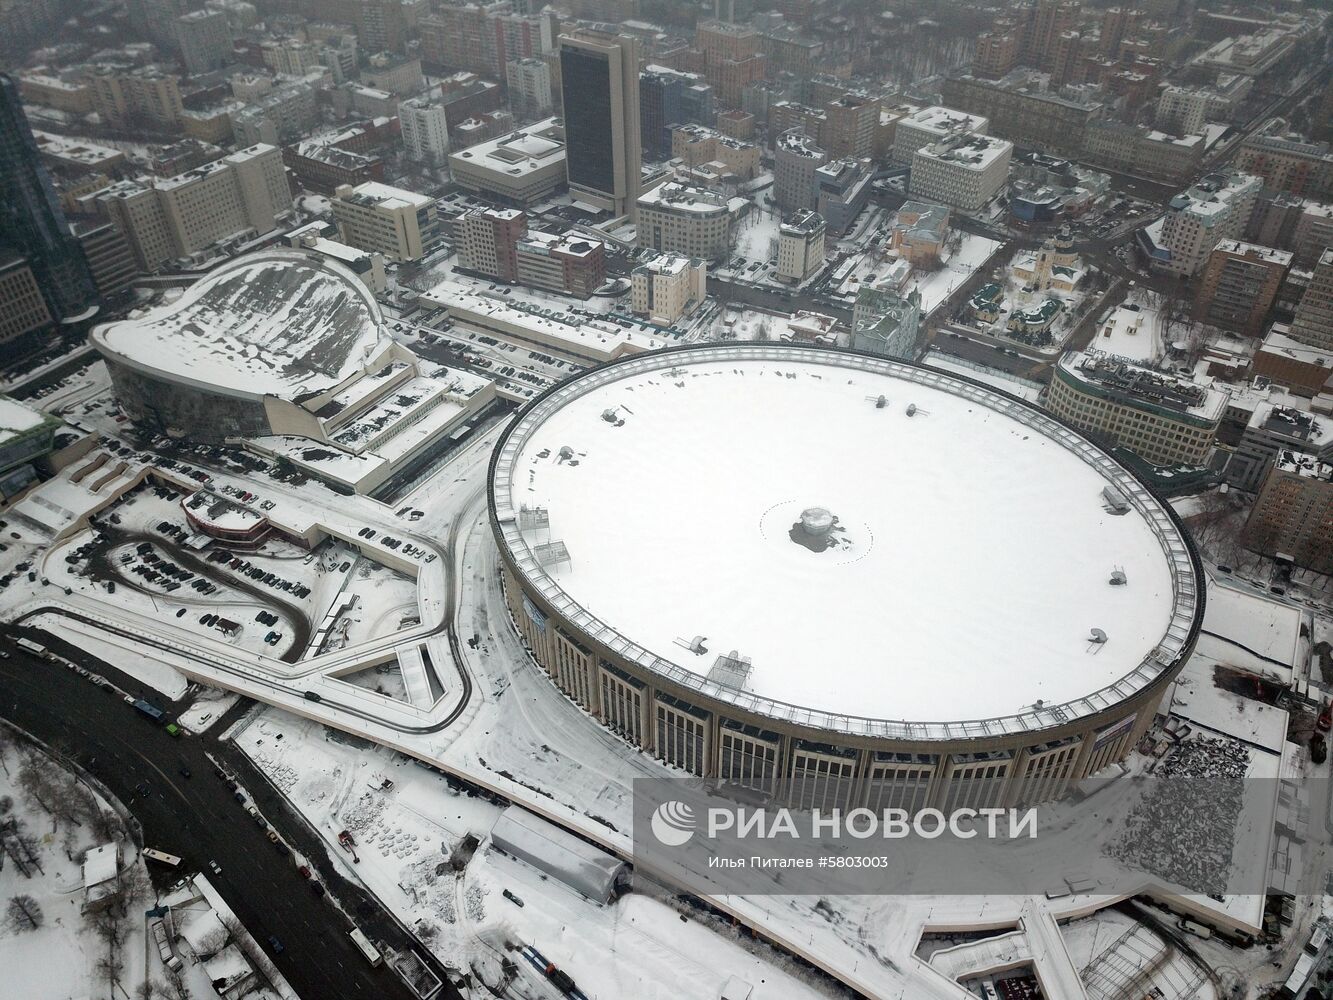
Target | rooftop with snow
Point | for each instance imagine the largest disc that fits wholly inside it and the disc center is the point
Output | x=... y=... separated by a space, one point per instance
x=929 y=603
x=287 y=323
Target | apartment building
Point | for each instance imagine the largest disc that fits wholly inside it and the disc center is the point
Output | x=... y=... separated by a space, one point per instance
x=487 y=239
x=1021 y=110
x=800 y=246
x=425 y=131
x=529 y=83
x=930 y=125
x=964 y=172
x=1239 y=285
x=1292 y=517
x=1287 y=161
x=204 y=38
x=1313 y=323
x=851 y=121
x=400 y=224
x=697 y=145
x=1217 y=208
x=164 y=219
x=686 y=220
x=1164 y=419
x=732 y=58
x=668 y=286
x=1143 y=152
x=796 y=158
x=128 y=97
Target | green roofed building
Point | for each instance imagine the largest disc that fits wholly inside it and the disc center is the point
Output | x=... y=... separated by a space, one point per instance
x=26 y=434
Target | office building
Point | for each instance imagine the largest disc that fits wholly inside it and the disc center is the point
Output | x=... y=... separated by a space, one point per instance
x=669 y=97
x=698 y=146
x=400 y=224
x=486 y=240
x=885 y=322
x=26 y=435
x=918 y=233
x=31 y=222
x=425 y=131
x=23 y=310
x=1313 y=323
x=842 y=189
x=800 y=246
x=110 y=258
x=1273 y=428
x=520 y=168
x=529 y=83
x=1293 y=514
x=565 y=263
x=204 y=39
x=964 y=172
x=1239 y=285
x=396 y=74
x=686 y=220
x=929 y=125
x=599 y=79
x=1164 y=419
x=667 y=287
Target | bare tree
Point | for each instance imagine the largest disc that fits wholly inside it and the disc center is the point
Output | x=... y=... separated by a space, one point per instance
x=147 y=990
x=174 y=988
x=135 y=886
x=24 y=913
x=212 y=943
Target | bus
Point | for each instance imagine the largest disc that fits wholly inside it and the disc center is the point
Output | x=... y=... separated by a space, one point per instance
x=153 y=854
x=365 y=947
x=149 y=710
x=36 y=648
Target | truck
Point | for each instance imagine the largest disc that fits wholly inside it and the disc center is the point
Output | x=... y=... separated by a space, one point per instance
x=169 y=958
x=151 y=711
x=153 y=854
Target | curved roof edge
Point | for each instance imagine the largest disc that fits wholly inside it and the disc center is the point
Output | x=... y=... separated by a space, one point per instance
x=1156 y=668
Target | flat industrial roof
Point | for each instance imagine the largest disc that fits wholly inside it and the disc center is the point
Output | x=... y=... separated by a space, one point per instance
x=973 y=550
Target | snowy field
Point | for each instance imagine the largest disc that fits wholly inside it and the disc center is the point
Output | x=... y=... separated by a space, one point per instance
x=935 y=287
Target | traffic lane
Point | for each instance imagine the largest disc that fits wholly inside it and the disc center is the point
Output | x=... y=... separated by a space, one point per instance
x=199 y=820
x=973 y=350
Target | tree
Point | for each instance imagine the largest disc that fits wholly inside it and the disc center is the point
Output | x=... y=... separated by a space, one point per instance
x=175 y=988
x=24 y=913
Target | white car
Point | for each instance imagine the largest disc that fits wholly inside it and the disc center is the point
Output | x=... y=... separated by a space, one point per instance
x=214 y=867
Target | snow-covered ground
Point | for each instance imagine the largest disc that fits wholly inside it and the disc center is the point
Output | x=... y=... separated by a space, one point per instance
x=638 y=946
x=59 y=958
x=935 y=287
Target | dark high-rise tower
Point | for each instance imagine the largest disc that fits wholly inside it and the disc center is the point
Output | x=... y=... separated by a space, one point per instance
x=31 y=222
x=599 y=81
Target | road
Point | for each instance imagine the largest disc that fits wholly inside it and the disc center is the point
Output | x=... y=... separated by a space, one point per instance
x=199 y=820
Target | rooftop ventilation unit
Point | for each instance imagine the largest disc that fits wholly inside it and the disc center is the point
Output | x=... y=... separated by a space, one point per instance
x=1114 y=501
x=533 y=518
x=1097 y=638
x=551 y=554
x=733 y=670
x=1118 y=578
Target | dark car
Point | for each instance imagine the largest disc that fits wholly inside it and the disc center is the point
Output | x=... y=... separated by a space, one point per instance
x=275 y=944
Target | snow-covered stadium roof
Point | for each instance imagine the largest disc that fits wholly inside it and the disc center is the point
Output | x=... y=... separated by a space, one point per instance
x=973 y=557
x=285 y=323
